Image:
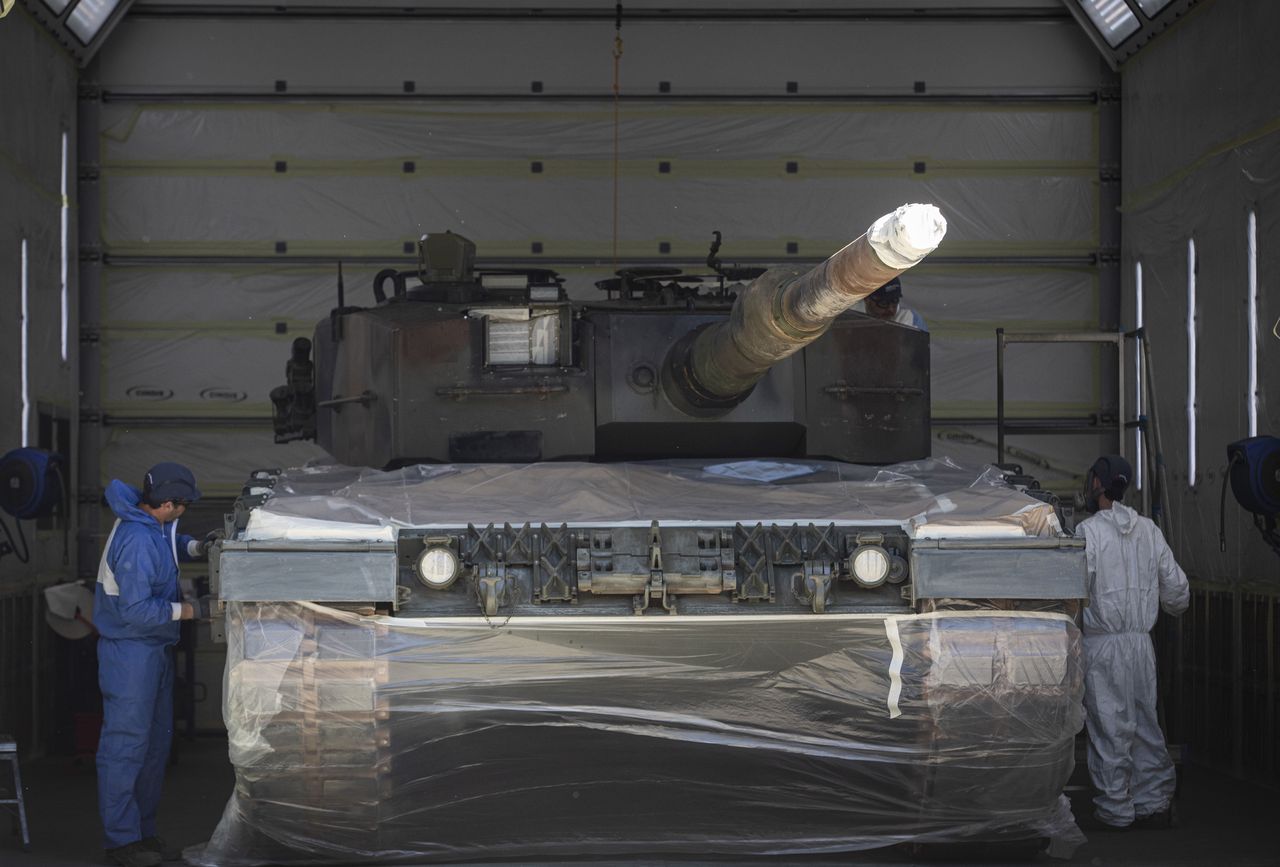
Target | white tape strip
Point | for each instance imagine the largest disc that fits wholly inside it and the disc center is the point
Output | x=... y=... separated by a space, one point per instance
x=107 y=575
x=904 y=237
x=667 y=620
x=895 y=666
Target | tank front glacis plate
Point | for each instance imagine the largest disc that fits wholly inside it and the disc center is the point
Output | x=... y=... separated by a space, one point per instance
x=693 y=536
x=365 y=739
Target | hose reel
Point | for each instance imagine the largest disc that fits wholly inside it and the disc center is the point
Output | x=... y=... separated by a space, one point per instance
x=31 y=484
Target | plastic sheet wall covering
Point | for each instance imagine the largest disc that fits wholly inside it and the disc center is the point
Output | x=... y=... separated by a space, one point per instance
x=162 y=137
x=1202 y=164
x=479 y=57
x=245 y=215
x=220 y=457
x=223 y=371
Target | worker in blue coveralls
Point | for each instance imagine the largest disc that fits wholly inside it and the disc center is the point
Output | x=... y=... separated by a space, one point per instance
x=886 y=303
x=1132 y=575
x=137 y=606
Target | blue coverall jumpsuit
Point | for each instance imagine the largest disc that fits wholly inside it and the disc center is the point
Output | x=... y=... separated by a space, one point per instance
x=133 y=611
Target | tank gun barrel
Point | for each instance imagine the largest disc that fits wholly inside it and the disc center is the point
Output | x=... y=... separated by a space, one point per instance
x=714 y=368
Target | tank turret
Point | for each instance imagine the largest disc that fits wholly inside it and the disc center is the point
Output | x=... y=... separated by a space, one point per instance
x=499 y=365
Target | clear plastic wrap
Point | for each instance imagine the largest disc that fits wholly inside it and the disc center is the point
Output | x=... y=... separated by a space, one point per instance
x=323 y=502
x=568 y=732
x=386 y=739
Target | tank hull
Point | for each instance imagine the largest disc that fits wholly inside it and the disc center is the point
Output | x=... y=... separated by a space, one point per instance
x=543 y=739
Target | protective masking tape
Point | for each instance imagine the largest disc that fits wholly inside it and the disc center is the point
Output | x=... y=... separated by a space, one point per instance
x=895 y=666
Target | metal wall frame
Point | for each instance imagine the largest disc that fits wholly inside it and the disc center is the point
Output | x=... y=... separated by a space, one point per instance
x=26 y=666
x=90 y=535
x=1220 y=679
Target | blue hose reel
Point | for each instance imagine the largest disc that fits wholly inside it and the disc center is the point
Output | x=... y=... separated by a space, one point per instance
x=30 y=483
x=1254 y=470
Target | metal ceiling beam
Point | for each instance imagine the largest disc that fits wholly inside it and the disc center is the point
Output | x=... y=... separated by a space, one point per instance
x=605 y=12
x=1084 y=260
x=1012 y=97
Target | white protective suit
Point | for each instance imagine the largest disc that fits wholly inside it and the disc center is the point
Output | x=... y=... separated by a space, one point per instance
x=1131 y=571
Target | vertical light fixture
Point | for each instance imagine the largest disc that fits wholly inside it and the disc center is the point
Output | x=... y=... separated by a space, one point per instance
x=65 y=313
x=1252 y=396
x=1137 y=370
x=1191 y=362
x=26 y=384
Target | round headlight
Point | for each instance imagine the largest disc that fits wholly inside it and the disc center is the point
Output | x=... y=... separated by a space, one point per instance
x=870 y=565
x=438 y=567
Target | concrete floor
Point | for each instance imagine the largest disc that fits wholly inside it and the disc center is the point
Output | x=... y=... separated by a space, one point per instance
x=1225 y=822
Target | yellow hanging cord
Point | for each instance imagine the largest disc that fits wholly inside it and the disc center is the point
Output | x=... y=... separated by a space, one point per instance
x=617 y=89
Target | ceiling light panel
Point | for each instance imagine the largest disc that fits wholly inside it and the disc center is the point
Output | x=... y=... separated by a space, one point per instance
x=88 y=17
x=1113 y=19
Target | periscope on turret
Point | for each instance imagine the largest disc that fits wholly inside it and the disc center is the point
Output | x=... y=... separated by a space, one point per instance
x=667 y=572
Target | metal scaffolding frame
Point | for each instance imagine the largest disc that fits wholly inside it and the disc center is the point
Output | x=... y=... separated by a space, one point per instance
x=1155 y=492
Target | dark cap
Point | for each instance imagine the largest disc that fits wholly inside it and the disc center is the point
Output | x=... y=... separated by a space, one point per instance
x=1114 y=473
x=889 y=293
x=170 y=481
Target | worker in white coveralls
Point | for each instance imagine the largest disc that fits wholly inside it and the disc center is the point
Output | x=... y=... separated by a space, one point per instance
x=1131 y=571
x=886 y=303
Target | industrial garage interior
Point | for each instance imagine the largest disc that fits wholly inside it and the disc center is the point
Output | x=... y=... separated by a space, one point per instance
x=191 y=186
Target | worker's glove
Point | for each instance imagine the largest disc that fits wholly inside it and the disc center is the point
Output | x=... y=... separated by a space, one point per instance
x=213 y=536
x=203 y=607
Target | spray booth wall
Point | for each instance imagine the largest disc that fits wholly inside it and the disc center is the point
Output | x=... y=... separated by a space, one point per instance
x=38 y=345
x=1201 y=163
x=239 y=158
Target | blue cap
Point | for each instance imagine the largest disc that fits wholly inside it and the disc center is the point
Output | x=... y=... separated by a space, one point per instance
x=170 y=481
x=889 y=293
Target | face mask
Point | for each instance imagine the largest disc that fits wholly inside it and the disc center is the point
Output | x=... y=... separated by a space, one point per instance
x=1091 y=494
x=1091 y=503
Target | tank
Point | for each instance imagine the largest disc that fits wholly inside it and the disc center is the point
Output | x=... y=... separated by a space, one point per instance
x=666 y=573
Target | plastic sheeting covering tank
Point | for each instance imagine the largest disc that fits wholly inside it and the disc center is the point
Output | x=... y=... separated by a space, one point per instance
x=550 y=731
